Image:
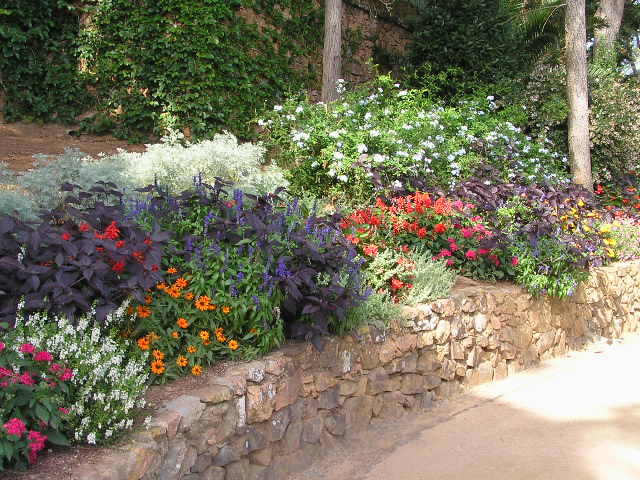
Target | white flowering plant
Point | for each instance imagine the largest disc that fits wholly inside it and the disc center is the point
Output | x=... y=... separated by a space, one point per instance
x=379 y=137
x=110 y=378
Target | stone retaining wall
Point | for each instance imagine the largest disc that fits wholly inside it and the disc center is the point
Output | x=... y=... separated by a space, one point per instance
x=268 y=418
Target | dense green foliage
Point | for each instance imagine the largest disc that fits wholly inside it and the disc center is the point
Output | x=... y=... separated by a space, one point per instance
x=39 y=60
x=472 y=40
x=194 y=64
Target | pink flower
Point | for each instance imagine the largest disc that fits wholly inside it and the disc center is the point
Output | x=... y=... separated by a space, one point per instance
x=2 y=346
x=4 y=384
x=467 y=233
x=67 y=375
x=27 y=348
x=471 y=254
x=26 y=379
x=15 y=426
x=454 y=247
x=43 y=357
x=445 y=253
x=515 y=261
x=5 y=372
x=64 y=410
x=483 y=251
x=36 y=443
x=451 y=262
x=459 y=205
x=56 y=367
x=371 y=250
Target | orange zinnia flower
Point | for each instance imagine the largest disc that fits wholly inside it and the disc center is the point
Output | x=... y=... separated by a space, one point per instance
x=182 y=322
x=175 y=335
x=161 y=286
x=182 y=361
x=172 y=270
x=204 y=335
x=203 y=302
x=192 y=349
x=158 y=355
x=181 y=283
x=226 y=310
x=233 y=345
x=173 y=292
x=196 y=370
x=221 y=338
x=143 y=312
x=219 y=331
x=188 y=296
x=143 y=343
x=157 y=367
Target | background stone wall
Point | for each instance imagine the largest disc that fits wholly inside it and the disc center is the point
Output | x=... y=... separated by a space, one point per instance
x=268 y=418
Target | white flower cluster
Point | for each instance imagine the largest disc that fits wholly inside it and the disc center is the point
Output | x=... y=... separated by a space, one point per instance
x=109 y=382
x=395 y=133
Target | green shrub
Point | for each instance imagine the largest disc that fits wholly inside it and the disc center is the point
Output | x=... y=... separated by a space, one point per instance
x=109 y=377
x=378 y=310
x=626 y=236
x=380 y=136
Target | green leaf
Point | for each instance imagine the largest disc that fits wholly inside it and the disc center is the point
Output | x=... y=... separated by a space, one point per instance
x=57 y=438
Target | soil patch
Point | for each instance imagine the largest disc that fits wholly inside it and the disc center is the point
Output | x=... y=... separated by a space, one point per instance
x=20 y=141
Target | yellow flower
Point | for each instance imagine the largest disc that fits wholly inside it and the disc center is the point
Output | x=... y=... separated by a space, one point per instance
x=611 y=242
x=581 y=202
x=611 y=252
x=182 y=361
x=192 y=349
x=233 y=345
x=605 y=228
x=204 y=335
x=196 y=370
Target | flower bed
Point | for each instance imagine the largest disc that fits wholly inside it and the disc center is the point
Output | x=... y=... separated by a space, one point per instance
x=272 y=417
x=129 y=288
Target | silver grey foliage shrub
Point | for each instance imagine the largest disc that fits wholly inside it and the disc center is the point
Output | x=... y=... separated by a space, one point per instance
x=174 y=163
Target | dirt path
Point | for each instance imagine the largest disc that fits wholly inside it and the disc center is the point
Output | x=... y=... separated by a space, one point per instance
x=20 y=141
x=576 y=417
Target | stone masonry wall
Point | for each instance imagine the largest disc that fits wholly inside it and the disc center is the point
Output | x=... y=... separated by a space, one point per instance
x=265 y=419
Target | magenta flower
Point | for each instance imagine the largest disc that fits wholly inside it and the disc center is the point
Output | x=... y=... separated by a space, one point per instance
x=467 y=233
x=4 y=384
x=2 y=346
x=26 y=379
x=15 y=426
x=5 y=372
x=64 y=410
x=56 y=367
x=27 y=348
x=515 y=261
x=43 y=357
x=67 y=375
x=483 y=251
x=471 y=254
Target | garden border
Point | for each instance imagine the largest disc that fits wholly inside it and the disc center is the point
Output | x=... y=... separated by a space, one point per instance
x=266 y=419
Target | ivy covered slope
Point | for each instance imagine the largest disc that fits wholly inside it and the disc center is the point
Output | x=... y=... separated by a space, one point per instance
x=39 y=60
x=195 y=64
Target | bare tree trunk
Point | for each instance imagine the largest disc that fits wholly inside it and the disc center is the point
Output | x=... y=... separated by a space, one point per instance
x=576 y=64
x=332 y=55
x=610 y=14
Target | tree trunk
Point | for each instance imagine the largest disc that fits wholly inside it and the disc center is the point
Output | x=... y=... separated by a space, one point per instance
x=576 y=64
x=332 y=54
x=609 y=13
